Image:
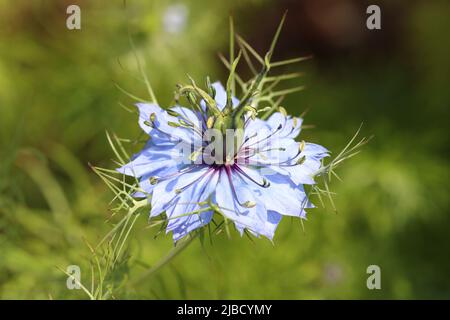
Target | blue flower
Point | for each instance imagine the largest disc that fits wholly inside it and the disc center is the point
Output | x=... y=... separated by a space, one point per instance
x=254 y=187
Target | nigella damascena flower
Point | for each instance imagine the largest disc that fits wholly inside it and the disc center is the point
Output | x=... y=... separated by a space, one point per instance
x=219 y=157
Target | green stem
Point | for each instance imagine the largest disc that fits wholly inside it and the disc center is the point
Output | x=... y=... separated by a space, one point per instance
x=168 y=258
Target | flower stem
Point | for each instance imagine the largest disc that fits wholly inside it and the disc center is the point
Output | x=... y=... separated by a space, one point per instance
x=183 y=244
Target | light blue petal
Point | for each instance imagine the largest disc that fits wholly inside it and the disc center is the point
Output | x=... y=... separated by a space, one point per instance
x=182 y=220
x=189 y=200
x=189 y=116
x=187 y=224
x=281 y=196
x=145 y=183
x=145 y=110
x=271 y=224
x=161 y=124
x=290 y=127
x=304 y=173
x=277 y=152
x=273 y=219
x=166 y=191
x=151 y=160
x=255 y=128
x=231 y=203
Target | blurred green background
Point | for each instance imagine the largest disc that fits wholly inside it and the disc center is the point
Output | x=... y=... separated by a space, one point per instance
x=58 y=96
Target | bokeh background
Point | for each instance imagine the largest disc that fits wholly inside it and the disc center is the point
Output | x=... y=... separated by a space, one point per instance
x=58 y=96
